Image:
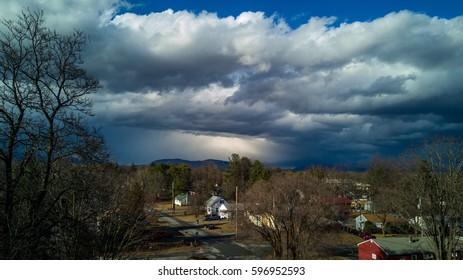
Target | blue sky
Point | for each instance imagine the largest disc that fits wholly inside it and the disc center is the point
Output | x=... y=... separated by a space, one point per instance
x=291 y=83
x=297 y=12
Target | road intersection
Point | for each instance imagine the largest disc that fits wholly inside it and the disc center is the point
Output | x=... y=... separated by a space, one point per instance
x=210 y=245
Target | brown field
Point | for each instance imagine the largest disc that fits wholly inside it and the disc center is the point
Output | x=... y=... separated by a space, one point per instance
x=187 y=214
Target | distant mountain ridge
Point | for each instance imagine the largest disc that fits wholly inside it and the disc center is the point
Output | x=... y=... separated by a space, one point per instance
x=193 y=163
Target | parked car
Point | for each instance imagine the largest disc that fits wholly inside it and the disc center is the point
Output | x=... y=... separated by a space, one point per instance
x=366 y=235
x=211 y=217
x=209 y=226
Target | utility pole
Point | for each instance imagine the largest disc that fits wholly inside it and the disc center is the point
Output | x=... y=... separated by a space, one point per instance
x=173 y=198
x=420 y=219
x=236 y=211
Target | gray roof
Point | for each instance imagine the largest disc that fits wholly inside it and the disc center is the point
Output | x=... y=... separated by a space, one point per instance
x=211 y=201
x=398 y=246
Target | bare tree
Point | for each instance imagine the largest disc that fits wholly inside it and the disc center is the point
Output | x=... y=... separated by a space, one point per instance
x=121 y=223
x=431 y=193
x=102 y=216
x=43 y=101
x=318 y=171
x=382 y=176
x=293 y=210
x=152 y=182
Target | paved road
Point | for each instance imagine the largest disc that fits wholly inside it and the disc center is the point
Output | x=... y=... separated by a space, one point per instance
x=211 y=245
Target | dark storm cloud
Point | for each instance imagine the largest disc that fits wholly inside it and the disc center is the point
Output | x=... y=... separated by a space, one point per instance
x=174 y=50
x=125 y=68
x=326 y=91
x=321 y=92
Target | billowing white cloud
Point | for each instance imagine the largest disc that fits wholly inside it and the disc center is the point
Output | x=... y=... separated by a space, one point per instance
x=203 y=86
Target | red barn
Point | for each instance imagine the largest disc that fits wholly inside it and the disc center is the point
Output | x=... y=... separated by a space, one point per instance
x=396 y=248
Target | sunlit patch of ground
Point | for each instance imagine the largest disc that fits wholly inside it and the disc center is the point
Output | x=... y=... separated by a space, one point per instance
x=341 y=245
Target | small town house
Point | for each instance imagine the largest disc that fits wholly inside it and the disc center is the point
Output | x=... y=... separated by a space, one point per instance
x=183 y=199
x=378 y=220
x=217 y=205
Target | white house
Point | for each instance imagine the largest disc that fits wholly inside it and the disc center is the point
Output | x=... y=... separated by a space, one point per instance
x=183 y=199
x=376 y=219
x=217 y=205
x=421 y=223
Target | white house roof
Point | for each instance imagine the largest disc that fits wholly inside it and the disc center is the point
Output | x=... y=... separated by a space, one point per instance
x=214 y=199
